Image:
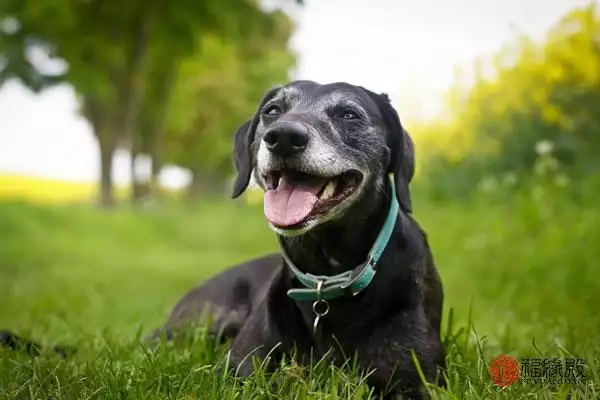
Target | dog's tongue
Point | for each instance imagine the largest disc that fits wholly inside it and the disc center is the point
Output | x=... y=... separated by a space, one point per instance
x=291 y=202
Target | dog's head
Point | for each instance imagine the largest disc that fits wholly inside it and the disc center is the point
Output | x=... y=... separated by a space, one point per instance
x=318 y=149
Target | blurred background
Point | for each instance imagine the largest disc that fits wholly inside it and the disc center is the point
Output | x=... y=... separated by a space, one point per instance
x=116 y=127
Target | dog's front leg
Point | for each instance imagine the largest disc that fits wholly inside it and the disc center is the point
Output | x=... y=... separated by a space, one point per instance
x=257 y=339
x=388 y=352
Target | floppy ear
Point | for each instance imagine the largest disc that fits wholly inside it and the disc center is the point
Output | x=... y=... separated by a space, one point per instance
x=402 y=152
x=243 y=157
x=405 y=171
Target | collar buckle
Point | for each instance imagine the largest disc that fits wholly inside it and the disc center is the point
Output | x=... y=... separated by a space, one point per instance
x=356 y=282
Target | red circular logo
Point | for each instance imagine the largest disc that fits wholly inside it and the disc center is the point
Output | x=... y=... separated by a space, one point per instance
x=504 y=370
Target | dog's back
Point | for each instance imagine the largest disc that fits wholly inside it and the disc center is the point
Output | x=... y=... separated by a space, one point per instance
x=225 y=299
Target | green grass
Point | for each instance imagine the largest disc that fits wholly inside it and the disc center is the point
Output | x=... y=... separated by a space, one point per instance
x=520 y=273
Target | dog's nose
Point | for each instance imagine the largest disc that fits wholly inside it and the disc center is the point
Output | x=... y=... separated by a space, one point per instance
x=287 y=140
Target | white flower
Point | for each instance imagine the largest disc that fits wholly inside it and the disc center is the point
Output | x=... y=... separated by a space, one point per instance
x=544 y=147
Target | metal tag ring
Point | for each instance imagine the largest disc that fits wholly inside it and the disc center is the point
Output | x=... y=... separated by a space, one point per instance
x=320 y=304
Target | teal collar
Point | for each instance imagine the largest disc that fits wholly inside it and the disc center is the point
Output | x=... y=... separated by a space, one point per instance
x=349 y=283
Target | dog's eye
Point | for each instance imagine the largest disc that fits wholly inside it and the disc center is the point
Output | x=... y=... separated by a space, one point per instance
x=348 y=114
x=272 y=110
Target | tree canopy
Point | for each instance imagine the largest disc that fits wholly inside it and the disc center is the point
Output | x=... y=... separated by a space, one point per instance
x=150 y=72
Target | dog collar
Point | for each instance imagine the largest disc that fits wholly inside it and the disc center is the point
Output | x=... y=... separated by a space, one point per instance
x=349 y=283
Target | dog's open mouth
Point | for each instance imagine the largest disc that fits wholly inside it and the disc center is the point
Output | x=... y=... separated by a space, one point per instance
x=293 y=198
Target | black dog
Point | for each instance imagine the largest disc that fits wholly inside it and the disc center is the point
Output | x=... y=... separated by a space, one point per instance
x=354 y=264
x=355 y=275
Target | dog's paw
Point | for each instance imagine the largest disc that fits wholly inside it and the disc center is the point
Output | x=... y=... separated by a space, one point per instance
x=243 y=369
x=238 y=367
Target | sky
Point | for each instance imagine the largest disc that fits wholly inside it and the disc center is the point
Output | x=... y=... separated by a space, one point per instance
x=406 y=48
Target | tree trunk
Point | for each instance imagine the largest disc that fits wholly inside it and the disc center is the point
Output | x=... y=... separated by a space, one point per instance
x=98 y=118
x=154 y=132
x=205 y=182
x=140 y=188
x=195 y=189
x=155 y=151
x=136 y=191
x=106 y=195
x=133 y=83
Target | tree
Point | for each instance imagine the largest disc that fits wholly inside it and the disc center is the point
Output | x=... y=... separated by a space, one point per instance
x=110 y=47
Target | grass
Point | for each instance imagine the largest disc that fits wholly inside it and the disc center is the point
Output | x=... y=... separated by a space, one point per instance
x=520 y=273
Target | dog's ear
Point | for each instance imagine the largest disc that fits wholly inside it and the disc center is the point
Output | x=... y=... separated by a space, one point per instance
x=402 y=151
x=404 y=171
x=243 y=157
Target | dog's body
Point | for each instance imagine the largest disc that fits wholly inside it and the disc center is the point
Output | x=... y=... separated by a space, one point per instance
x=400 y=311
x=323 y=154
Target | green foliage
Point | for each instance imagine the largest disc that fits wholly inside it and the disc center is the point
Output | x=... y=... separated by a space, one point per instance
x=125 y=57
x=520 y=273
x=218 y=88
x=96 y=38
x=529 y=93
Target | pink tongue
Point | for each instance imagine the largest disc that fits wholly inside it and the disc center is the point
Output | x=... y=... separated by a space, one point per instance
x=290 y=203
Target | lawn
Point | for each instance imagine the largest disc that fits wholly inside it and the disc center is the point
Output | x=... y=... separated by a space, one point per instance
x=520 y=272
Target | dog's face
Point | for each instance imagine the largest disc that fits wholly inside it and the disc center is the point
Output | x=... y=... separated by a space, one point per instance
x=318 y=149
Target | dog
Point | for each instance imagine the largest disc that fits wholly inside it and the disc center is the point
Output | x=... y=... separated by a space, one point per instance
x=355 y=274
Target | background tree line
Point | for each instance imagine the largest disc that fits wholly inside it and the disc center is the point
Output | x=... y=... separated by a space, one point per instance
x=173 y=80
x=170 y=80
x=532 y=108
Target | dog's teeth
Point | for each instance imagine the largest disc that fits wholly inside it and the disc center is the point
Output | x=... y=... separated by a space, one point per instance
x=328 y=191
x=271 y=181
